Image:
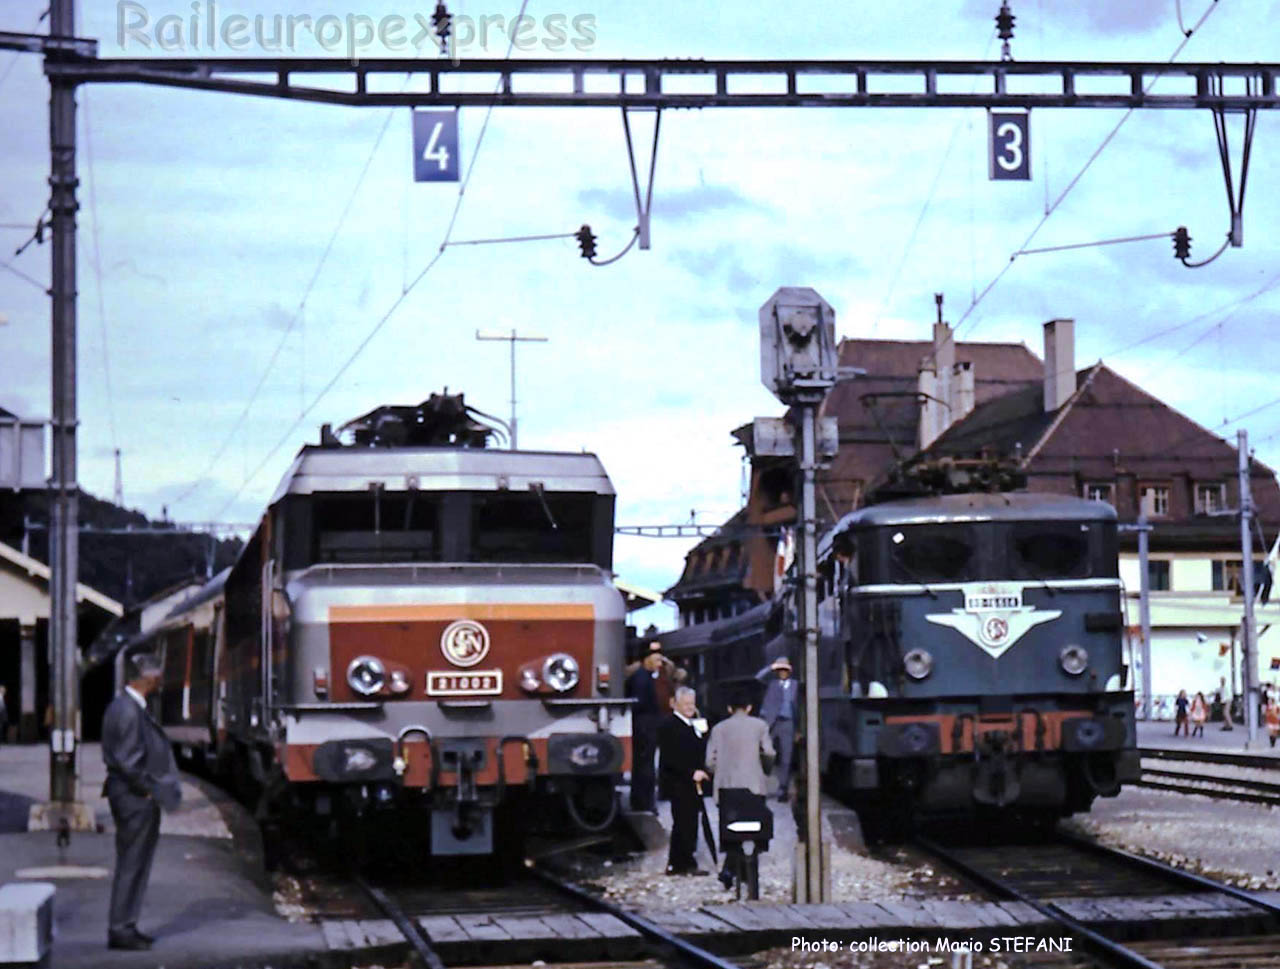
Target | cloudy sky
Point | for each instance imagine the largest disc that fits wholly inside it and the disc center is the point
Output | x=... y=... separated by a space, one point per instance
x=212 y=320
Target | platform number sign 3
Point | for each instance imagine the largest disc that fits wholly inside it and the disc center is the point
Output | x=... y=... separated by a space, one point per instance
x=1010 y=146
x=435 y=146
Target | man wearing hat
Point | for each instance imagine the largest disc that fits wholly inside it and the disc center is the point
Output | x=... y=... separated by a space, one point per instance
x=781 y=710
x=652 y=689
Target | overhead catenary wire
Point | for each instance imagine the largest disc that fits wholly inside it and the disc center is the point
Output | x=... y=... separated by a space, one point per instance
x=1265 y=287
x=232 y=434
x=1090 y=245
x=43 y=287
x=1213 y=5
x=627 y=248
x=95 y=261
x=395 y=305
x=1217 y=325
x=505 y=239
x=924 y=209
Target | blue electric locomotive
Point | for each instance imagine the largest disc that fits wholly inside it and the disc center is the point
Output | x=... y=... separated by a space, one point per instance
x=972 y=658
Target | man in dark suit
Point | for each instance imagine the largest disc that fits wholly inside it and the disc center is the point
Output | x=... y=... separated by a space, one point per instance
x=682 y=749
x=141 y=779
x=781 y=711
x=645 y=715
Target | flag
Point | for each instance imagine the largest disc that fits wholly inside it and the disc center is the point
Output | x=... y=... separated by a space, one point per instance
x=1275 y=662
x=1268 y=572
x=1224 y=648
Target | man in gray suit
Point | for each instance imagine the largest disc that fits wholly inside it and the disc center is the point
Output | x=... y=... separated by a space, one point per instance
x=781 y=711
x=737 y=751
x=142 y=777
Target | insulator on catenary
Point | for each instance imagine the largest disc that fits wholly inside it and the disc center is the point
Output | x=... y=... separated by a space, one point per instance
x=1004 y=30
x=1181 y=243
x=441 y=19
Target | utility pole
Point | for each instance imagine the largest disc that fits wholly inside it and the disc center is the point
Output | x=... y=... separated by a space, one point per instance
x=1144 y=606
x=64 y=545
x=513 y=338
x=118 y=496
x=1248 y=639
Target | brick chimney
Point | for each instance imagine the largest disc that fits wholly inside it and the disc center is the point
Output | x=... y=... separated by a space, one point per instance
x=1059 y=363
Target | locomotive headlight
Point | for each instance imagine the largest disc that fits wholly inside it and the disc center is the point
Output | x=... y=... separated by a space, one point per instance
x=1074 y=659
x=560 y=672
x=366 y=675
x=918 y=663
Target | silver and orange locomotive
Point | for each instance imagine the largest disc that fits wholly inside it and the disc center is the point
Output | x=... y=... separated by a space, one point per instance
x=419 y=624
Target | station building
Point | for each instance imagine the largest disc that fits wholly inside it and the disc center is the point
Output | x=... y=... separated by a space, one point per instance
x=24 y=645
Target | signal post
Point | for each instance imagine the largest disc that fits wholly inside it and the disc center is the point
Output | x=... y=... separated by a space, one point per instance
x=798 y=365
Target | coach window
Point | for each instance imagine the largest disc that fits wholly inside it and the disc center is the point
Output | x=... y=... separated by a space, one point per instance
x=932 y=553
x=1051 y=550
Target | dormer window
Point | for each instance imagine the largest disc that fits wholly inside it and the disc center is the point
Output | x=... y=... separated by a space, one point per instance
x=1154 y=499
x=1100 y=491
x=1210 y=498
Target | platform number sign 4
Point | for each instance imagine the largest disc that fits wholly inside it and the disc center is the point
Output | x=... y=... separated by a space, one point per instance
x=1010 y=141
x=435 y=146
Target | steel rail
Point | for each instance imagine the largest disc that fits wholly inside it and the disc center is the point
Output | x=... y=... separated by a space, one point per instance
x=1168 y=871
x=1247 y=791
x=689 y=951
x=1212 y=757
x=413 y=932
x=1120 y=955
x=1267 y=787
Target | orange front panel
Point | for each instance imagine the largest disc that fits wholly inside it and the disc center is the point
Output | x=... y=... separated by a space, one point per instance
x=297 y=761
x=986 y=723
x=411 y=637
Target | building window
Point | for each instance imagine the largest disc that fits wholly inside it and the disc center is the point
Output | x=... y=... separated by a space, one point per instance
x=1210 y=498
x=1158 y=575
x=1100 y=491
x=1226 y=575
x=1155 y=498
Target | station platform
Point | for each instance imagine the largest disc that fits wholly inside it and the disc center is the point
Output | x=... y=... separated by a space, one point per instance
x=208 y=903
x=1159 y=734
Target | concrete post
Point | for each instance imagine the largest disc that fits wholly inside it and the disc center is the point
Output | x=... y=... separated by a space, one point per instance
x=1248 y=630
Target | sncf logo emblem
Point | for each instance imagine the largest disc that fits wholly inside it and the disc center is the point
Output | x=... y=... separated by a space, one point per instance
x=993 y=616
x=465 y=642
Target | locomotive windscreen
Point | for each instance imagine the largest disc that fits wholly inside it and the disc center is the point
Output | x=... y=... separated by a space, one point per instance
x=933 y=553
x=967 y=552
x=417 y=526
x=532 y=527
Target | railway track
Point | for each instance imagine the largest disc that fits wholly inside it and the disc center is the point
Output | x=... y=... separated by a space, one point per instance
x=1220 y=786
x=539 y=893
x=1045 y=876
x=1262 y=761
x=1212 y=785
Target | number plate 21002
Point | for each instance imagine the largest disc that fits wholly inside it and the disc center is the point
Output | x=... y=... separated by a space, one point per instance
x=449 y=683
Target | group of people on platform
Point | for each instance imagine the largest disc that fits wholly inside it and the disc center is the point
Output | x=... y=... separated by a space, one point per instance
x=1191 y=713
x=737 y=753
